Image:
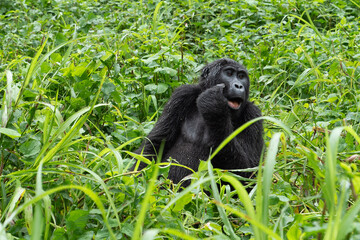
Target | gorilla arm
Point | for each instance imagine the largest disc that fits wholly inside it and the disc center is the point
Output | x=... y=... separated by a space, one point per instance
x=167 y=128
x=244 y=150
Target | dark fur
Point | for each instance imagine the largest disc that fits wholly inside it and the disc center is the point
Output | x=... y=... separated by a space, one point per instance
x=197 y=119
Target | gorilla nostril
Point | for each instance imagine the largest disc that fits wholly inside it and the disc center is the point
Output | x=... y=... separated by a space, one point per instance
x=238 y=86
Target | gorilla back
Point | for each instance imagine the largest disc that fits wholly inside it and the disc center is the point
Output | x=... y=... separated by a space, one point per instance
x=198 y=117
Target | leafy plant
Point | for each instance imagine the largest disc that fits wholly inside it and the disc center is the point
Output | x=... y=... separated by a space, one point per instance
x=81 y=83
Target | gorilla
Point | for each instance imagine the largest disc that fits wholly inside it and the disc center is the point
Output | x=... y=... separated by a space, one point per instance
x=198 y=117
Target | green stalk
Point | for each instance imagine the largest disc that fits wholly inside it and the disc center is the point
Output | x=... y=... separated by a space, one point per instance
x=145 y=203
x=221 y=210
x=155 y=17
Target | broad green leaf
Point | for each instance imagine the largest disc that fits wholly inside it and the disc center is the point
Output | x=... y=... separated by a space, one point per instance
x=9 y=132
x=166 y=70
x=30 y=147
x=180 y=204
x=161 y=88
x=76 y=222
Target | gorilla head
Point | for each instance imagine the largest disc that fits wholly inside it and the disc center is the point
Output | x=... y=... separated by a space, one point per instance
x=230 y=75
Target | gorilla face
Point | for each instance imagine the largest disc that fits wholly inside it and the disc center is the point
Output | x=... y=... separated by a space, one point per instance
x=236 y=83
x=232 y=77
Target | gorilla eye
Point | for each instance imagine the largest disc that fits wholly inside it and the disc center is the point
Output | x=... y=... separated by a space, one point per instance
x=229 y=72
x=241 y=75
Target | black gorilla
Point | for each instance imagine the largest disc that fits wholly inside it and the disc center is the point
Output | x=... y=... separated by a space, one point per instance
x=199 y=117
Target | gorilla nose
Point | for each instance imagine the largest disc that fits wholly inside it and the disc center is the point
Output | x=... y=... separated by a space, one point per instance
x=238 y=85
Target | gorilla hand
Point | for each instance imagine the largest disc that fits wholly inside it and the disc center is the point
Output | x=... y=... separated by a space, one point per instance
x=212 y=104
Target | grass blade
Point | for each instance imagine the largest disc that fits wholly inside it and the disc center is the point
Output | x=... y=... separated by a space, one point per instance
x=265 y=181
x=329 y=187
x=346 y=224
x=38 y=224
x=254 y=222
x=245 y=199
x=241 y=128
x=30 y=72
x=145 y=203
x=155 y=17
x=221 y=210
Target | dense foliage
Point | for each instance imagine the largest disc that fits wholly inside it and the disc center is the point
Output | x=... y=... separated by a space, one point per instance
x=82 y=82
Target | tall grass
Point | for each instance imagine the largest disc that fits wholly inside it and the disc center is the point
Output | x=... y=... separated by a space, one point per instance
x=82 y=84
x=340 y=218
x=39 y=223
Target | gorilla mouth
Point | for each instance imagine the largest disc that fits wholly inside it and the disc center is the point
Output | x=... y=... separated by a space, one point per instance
x=235 y=103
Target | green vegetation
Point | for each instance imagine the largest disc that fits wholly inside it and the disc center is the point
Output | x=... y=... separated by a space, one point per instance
x=82 y=82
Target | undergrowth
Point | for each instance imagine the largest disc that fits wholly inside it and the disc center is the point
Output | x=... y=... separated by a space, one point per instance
x=82 y=82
